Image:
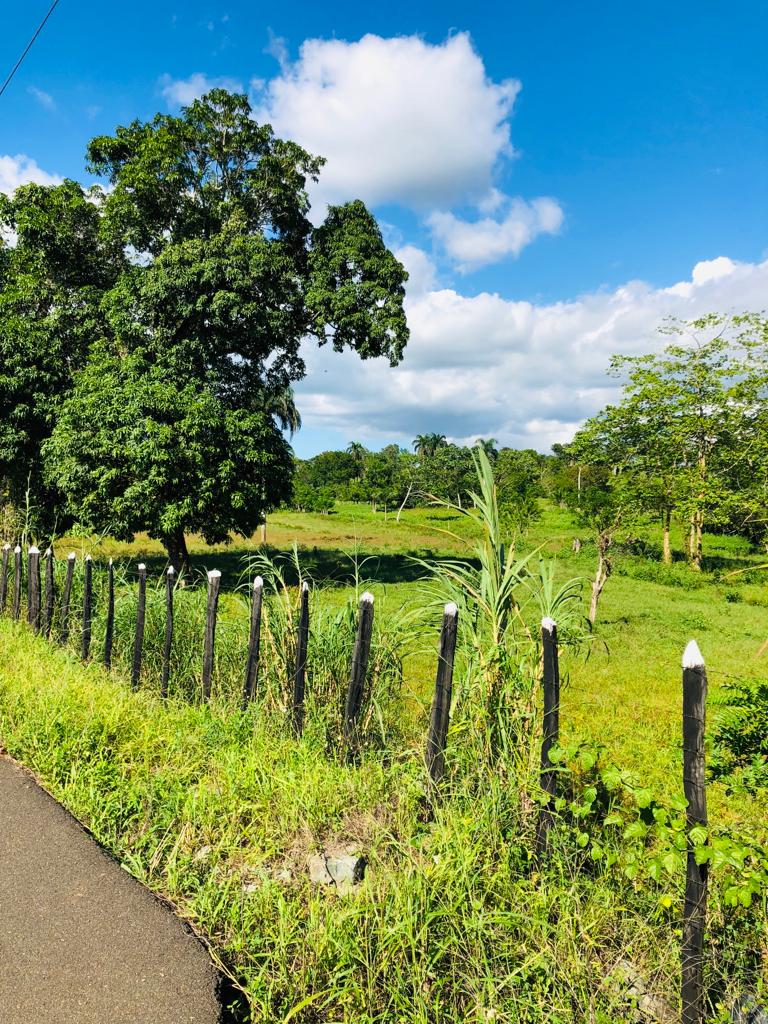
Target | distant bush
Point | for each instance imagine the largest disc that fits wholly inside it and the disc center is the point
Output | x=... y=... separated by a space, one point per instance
x=741 y=736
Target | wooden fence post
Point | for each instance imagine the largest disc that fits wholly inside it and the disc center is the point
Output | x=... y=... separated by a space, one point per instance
x=170 y=583
x=109 y=629
x=4 y=576
x=254 y=642
x=694 y=783
x=87 y=608
x=49 y=596
x=300 y=669
x=65 y=597
x=209 y=647
x=138 y=639
x=17 y=574
x=358 y=672
x=550 y=731
x=33 y=588
x=441 y=702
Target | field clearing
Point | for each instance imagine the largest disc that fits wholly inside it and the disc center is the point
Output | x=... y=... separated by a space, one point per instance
x=625 y=694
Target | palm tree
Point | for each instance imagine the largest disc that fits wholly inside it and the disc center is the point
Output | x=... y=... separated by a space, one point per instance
x=358 y=452
x=488 y=445
x=427 y=444
x=280 y=404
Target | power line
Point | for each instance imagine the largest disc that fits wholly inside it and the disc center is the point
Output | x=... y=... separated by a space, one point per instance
x=18 y=63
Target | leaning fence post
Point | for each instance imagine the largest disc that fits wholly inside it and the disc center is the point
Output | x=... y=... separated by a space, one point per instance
x=441 y=702
x=358 y=671
x=17 y=571
x=87 y=607
x=4 y=577
x=138 y=639
x=209 y=647
x=166 y=671
x=300 y=668
x=254 y=642
x=66 y=595
x=550 y=731
x=694 y=783
x=50 y=594
x=33 y=588
x=109 y=629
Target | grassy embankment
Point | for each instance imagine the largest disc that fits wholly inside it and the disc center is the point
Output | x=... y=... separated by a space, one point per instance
x=218 y=809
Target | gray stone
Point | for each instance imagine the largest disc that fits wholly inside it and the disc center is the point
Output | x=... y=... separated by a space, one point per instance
x=343 y=870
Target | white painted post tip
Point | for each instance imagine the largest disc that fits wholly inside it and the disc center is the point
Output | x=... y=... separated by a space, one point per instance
x=258 y=583
x=170 y=571
x=34 y=550
x=6 y=547
x=48 y=552
x=71 y=556
x=548 y=624
x=214 y=574
x=141 y=566
x=305 y=586
x=17 y=549
x=451 y=608
x=367 y=597
x=111 y=562
x=692 y=656
x=88 y=558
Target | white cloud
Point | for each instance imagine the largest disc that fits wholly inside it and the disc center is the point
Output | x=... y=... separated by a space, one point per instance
x=180 y=92
x=473 y=244
x=526 y=374
x=399 y=120
x=43 y=98
x=20 y=170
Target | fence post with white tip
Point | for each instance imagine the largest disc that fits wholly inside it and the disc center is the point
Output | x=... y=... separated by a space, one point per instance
x=358 y=672
x=109 y=630
x=441 y=702
x=209 y=646
x=66 y=597
x=4 y=576
x=17 y=576
x=85 y=650
x=33 y=588
x=254 y=642
x=550 y=731
x=138 y=639
x=49 y=596
x=170 y=583
x=300 y=668
x=694 y=783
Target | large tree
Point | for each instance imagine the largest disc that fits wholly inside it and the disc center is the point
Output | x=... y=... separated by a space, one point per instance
x=227 y=277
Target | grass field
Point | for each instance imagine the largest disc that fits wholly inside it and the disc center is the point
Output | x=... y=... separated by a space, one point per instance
x=218 y=808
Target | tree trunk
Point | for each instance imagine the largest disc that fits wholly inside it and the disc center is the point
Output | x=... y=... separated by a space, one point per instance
x=666 y=542
x=264 y=532
x=178 y=556
x=695 y=546
x=604 y=568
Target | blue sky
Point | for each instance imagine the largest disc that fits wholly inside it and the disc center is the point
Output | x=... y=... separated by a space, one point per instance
x=557 y=177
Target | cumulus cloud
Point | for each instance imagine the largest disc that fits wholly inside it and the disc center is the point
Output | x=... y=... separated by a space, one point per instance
x=399 y=120
x=180 y=92
x=20 y=170
x=526 y=374
x=473 y=244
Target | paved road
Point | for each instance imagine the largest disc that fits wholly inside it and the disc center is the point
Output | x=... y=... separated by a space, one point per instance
x=81 y=942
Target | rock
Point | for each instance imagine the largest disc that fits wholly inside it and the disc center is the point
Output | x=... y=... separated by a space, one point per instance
x=345 y=871
x=747 y=1011
x=650 y=1007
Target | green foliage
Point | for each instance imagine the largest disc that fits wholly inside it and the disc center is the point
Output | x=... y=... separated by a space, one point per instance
x=741 y=736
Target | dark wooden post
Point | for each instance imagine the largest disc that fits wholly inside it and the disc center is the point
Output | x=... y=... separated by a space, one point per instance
x=694 y=783
x=254 y=642
x=300 y=668
x=166 y=671
x=33 y=588
x=49 y=596
x=358 y=672
x=209 y=647
x=109 y=630
x=17 y=574
x=66 y=595
x=441 y=702
x=138 y=639
x=4 y=576
x=550 y=732
x=87 y=608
